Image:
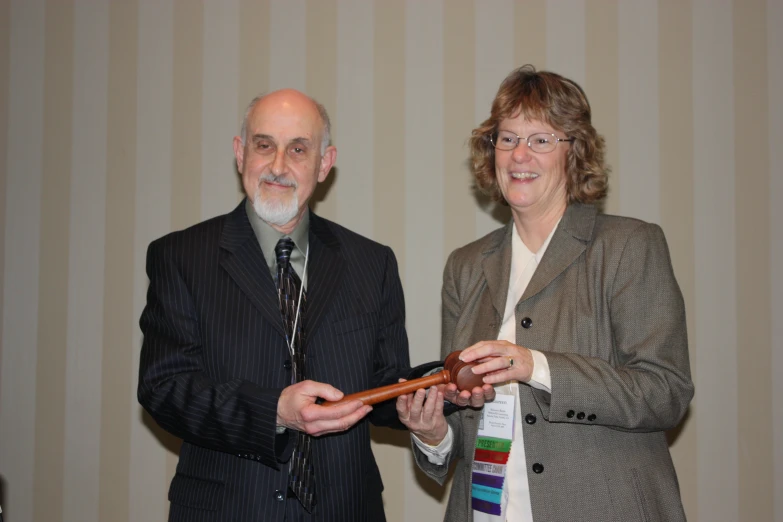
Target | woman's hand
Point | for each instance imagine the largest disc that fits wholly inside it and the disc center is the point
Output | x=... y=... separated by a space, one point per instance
x=499 y=361
x=424 y=416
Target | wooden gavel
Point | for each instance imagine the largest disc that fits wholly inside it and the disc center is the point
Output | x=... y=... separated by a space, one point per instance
x=454 y=370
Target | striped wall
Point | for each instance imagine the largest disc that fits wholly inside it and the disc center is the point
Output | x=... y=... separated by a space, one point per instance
x=116 y=119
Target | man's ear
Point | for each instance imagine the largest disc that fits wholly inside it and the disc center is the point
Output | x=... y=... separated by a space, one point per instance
x=239 y=153
x=327 y=162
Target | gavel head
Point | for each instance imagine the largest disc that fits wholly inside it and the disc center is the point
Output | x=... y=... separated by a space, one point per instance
x=462 y=373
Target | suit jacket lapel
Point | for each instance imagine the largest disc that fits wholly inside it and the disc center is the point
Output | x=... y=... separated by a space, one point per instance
x=497 y=269
x=324 y=272
x=568 y=243
x=242 y=258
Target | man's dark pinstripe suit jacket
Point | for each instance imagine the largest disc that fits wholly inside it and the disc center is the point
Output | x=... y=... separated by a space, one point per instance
x=214 y=362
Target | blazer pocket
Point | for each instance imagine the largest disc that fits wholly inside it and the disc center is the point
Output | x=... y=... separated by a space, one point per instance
x=352 y=324
x=196 y=493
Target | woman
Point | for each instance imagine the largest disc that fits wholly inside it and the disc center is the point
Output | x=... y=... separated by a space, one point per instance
x=576 y=319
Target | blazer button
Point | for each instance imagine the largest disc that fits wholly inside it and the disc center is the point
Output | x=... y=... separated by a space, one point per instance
x=530 y=418
x=538 y=468
x=279 y=495
x=287 y=365
x=527 y=322
x=591 y=417
x=580 y=415
x=570 y=414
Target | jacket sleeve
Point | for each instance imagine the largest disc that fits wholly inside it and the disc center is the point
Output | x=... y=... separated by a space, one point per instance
x=237 y=416
x=645 y=385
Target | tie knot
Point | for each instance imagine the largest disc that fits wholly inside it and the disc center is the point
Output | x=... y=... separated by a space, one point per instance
x=283 y=250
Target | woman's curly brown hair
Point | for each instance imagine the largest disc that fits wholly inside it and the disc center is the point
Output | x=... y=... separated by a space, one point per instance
x=559 y=102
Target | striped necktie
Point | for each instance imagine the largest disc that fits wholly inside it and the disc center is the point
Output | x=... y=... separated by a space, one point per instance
x=301 y=477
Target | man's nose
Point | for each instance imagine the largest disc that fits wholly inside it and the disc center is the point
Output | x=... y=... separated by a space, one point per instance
x=279 y=163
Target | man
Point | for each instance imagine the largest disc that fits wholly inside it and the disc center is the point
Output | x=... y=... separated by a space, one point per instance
x=253 y=317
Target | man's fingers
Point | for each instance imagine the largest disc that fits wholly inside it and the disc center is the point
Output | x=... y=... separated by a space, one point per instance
x=324 y=426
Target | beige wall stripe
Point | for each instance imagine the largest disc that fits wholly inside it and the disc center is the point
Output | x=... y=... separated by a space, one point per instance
x=55 y=149
x=22 y=249
x=254 y=28
x=152 y=212
x=187 y=74
x=715 y=276
x=119 y=410
x=751 y=168
x=287 y=41
x=354 y=117
x=530 y=34
x=389 y=127
x=459 y=85
x=86 y=261
x=5 y=29
x=638 y=102
x=319 y=64
x=423 y=201
x=565 y=38
x=774 y=28
x=602 y=85
x=676 y=185
x=220 y=100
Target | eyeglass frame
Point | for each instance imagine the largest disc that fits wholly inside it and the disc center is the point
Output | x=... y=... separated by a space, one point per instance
x=492 y=137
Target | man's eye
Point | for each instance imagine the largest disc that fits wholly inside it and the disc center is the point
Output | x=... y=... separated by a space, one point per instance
x=264 y=146
x=298 y=150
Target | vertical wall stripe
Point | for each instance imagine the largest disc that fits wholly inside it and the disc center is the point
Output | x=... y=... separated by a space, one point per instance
x=187 y=124
x=602 y=85
x=639 y=153
x=354 y=116
x=530 y=33
x=423 y=192
x=153 y=204
x=495 y=47
x=459 y=71
x=86 y=260
x=752 y=213
x=22 y=248
x=388 y=171
x=321 y=77
x=774 y=23
x=221 y=189
x=389 y=127
x=5 y=72
x=287 y=40
x=120 y=415
x=565 y=38
x=677 y=196
x=715 y=276
x=254 y=45
x=50 y=410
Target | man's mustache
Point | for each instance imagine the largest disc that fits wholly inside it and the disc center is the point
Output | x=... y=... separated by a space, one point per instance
x=279 y=180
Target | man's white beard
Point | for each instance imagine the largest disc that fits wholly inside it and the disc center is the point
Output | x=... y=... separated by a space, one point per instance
x=276 y=212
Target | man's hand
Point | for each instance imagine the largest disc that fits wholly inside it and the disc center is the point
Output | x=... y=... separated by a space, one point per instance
x=423 y=417
x=297 y=410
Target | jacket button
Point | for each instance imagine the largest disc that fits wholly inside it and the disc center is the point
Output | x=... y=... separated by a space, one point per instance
x=538 y=468
x=527 y=322
x=570 y=414
x=279 y=495
x=580 y=415
x=530 y=418
x=591 y=417
x=287 y=365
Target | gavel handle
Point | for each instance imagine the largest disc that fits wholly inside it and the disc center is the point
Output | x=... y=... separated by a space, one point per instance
x=391 y=391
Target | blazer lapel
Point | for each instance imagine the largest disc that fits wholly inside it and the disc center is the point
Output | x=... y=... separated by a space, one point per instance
x=568 y=243
x=497 y=269
x=242 y=258
x=324 y=272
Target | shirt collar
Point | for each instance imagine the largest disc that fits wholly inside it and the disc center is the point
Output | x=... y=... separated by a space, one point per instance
x=268 y=237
